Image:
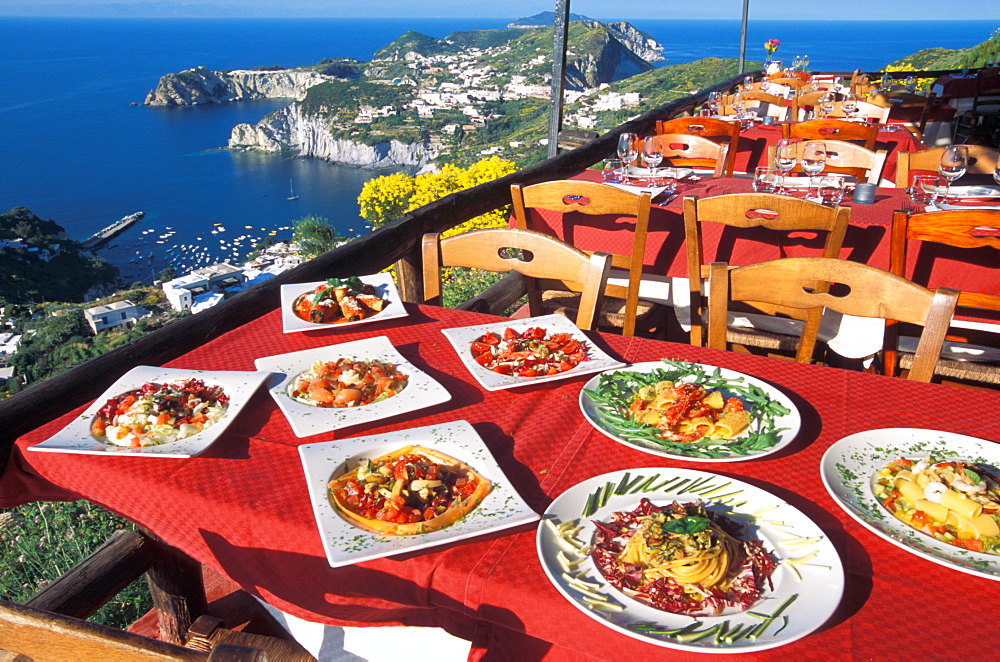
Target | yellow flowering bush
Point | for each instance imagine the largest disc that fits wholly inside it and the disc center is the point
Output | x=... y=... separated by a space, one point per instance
x=386 y=198
x=922 y=83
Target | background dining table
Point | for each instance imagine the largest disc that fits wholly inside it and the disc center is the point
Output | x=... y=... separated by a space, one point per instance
x=752 y=147
x=867 y=239
x=242 y=505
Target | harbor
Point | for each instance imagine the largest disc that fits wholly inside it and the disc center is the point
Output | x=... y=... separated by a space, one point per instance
x=102 y=236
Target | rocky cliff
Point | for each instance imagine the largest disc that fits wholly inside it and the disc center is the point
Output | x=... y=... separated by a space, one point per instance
x=637 y=41
x=606 y=61
x=201 y=85
x=289 y=129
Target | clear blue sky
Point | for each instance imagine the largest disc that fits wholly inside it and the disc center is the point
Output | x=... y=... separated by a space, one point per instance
x=987 y=10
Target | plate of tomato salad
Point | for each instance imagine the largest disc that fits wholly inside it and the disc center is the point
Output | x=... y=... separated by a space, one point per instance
x=527 y=351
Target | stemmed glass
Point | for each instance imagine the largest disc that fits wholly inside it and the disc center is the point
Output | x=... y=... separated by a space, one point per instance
x=651 y=155
x=626 y=148
x=784 y=160
x=804 y=62
x=849 y=104
x=813 y=159
x=739 y=104
x=911 y=84
x=996 y=174
x=796 y=63
x=954 y=161
x=827 y=102
x=714 y=101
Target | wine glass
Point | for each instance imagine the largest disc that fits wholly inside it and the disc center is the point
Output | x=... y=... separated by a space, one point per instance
x=651 y=154
x=827 y=102
x=954 y=161
x=911 y=84
x=739 y=103
x=747 y=83
x=804 y=62
x=714 y=101
x=996 y=174
x=849 y=104
x=813 y=158
x=626 y=148
x=784 y=160
x=885 y=85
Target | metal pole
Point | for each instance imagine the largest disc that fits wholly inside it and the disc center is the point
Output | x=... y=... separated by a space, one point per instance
x=558 y=75
x=743 y=36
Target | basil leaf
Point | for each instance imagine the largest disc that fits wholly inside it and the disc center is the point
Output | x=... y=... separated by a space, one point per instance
x=687 y=525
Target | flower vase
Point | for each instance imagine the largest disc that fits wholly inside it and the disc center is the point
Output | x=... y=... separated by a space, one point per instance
x=772 y=66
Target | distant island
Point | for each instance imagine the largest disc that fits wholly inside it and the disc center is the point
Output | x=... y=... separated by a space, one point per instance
x=424 y=101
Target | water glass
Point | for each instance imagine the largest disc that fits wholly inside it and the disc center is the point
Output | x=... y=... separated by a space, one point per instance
x=614 y=171
x=765 y=179
x=924 y=189
x=828 y=190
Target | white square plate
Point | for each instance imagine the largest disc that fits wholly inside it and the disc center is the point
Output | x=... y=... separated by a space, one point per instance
x=421 y=391
x=462 y=338
x=345 y=543
x=76 y=437
x=384 y=286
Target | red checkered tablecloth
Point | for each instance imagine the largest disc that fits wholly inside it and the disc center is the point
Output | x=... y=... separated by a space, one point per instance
x=242 y=506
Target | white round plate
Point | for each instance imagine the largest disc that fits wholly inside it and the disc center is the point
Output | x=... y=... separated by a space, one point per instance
x=848 y=469
x=817 y=583
x=603 y=418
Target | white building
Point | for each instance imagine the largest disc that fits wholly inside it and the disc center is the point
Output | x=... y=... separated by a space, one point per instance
x=182 y=292
x=116 y=315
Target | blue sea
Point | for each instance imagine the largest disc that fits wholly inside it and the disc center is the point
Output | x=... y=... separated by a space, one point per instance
x=76 y=151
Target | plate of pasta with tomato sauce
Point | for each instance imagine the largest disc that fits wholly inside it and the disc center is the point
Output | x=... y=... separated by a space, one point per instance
x=339 y=302
x=697 y=412
x=527 y=351
x=690 y=560
x=408 y=490
x=933 y=493
x=337 y=386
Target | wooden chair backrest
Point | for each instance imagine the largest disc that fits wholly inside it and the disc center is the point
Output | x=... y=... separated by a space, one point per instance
x=844 y=158
x=832 y=130
x=982 y=160
x=960 y=228
x=44 y=636
x=716 y=130
x=791 y=282
x=869 y=111
x=533 y=254
x=570 y=195
x=690 y=151
x=780 y=213
x=765 y=103
x=794 y=83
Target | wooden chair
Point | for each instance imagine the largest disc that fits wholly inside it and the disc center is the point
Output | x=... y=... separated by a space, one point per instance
x=982 y=161
x=832 y=130
x=621 y=307
x=845 y=158
x=684 y=150
x=763 y=102
x=532 y=254
x=794 y=83
x=915 y=109
x=779 y=213
x=972 y=229
x=716 y=130
x=982 y=120
x=791 y=283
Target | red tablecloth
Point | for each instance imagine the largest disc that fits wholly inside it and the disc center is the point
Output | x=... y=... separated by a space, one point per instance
x=242 y=506
x=963 y=86
x=753 y=144
x=867 y=239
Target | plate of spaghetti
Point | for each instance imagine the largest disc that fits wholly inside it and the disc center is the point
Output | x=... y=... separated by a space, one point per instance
x=690 y=560
x=699 y=412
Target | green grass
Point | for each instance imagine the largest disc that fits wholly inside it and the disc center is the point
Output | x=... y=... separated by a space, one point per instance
x=41 y=541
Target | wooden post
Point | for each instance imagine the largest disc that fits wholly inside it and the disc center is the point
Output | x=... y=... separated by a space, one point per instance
x=178 y=591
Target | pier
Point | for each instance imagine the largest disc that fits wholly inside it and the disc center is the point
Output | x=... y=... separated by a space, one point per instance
x=100 y=237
